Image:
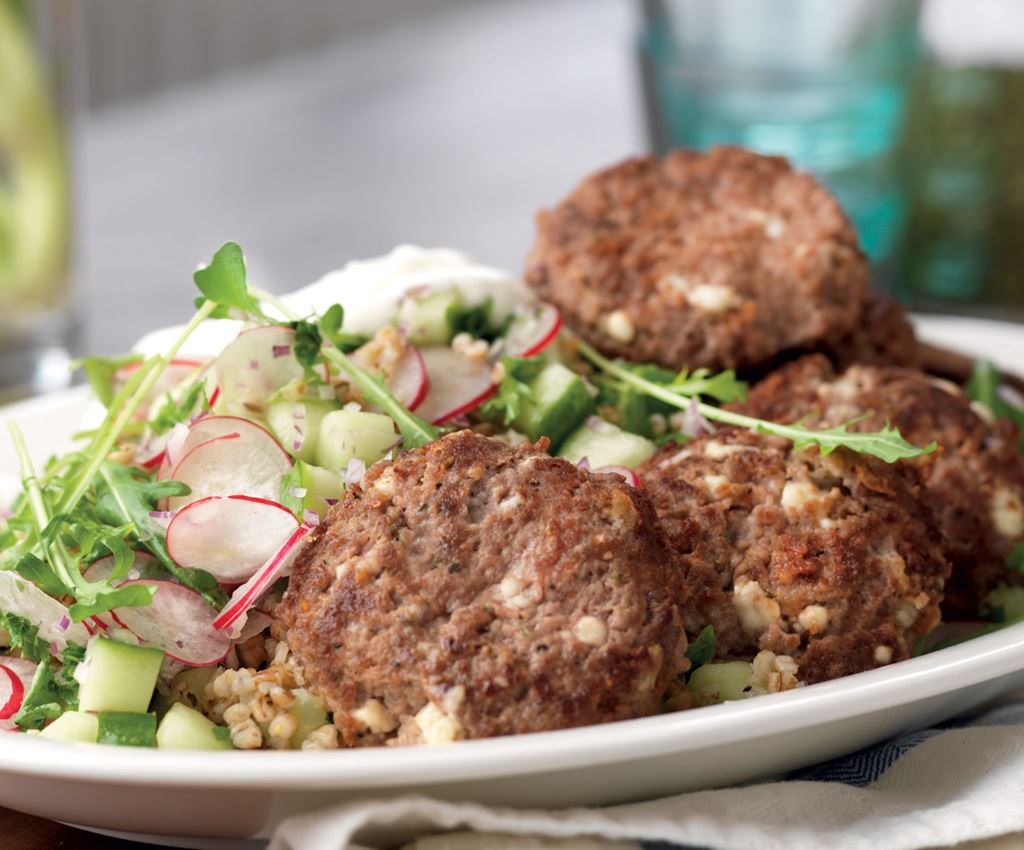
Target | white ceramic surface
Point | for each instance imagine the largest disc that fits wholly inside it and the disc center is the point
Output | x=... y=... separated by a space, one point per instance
x=239 y=794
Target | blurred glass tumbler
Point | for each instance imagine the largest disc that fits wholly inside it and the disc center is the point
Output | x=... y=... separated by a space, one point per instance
x=822 y=83
x=35 y=199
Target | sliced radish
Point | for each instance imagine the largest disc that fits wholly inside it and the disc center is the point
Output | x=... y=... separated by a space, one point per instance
x=533 y=328
x=255 y=622
x=20 y=596
x=248 y=462
x=229 y=536
x=631 y=477
x=409 y=380
x=25 y=669
x=12 y=692
x=207 y=428
x=177 y=621
x=457 y=384
x=253 y=366
x=246 y=595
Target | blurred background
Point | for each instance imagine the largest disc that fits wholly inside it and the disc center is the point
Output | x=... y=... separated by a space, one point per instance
x=137 y=135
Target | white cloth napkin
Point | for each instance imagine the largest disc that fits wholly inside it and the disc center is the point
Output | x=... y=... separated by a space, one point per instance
x=958 y=782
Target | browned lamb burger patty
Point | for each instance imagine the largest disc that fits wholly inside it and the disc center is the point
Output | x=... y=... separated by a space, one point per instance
x=719 y=259
x=974 y=481
x=831 y=560
x=883 y=336
x=469 y=589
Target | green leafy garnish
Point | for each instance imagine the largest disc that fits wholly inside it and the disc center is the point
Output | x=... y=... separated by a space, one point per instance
x=887 y=444
x=52 y=692
x=175 y=411
x=475 y=321
x=983 y=387
x=100 y=372
x=223 y=284
x=415 y=431
x=702 y=649
x=1015 y=560
x=24 y=637
x=126 y=496
x=330 y=324
x=507 y=403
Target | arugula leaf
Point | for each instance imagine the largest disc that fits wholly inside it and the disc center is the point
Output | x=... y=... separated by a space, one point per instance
x=415 y=431
x=23 y=636
x=100 y=372
x=171 y=412
x=1015 y=560
x=223 y=284
x=723 y=387
x=507 y=403
x=887 y=444
x=984 y=387
x=126 y=496
x=475 y=321
x=40 y=574
x=330 y=325
x=51 y=693
x=702 y=649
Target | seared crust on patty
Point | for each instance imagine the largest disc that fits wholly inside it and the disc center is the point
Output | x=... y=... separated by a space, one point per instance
x=974 y=480
x=882 y=337
x=719 y=259
x=468 y=589
x=831 y=560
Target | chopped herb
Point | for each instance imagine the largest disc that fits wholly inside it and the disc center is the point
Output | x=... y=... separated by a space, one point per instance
x=507 y=403
x=173 y=412
x=702 y=649
x=475 y=321
x=24 y=637
x=52 y=692
x=984 y=386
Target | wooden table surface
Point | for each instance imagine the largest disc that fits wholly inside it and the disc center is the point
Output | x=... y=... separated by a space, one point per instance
x=22 y=832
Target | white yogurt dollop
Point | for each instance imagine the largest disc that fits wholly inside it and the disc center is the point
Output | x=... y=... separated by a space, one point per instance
x=369 y=291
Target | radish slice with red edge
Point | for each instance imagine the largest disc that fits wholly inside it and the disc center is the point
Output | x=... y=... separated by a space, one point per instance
x=145 y=566
x=25 y=669
x=207 y=428
x=229 y=536
x=12 y=692
x=179 y=622
x=20 y=596
x=631 y=477
x=409 y=381
x=457 y=384
x=533 y=328
x=255 y=622
x=246 y=595
x=249 y=463
x=254 y=365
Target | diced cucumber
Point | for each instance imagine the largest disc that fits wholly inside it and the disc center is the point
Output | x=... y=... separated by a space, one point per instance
x=713 y=683
x=345 y=434
x=73 y=726
x=309 y=711
x=1008 y=601
x=126 y=729
x=320 y=485
x=184 y=728
x=605 y=444
x=297 y=426
x=426 y=319
x=118 y=677
x=561 y=402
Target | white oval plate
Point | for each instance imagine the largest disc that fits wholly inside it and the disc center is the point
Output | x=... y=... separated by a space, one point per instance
x=171 y=796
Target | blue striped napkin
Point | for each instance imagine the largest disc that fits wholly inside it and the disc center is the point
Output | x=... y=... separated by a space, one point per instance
x=958 y=781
